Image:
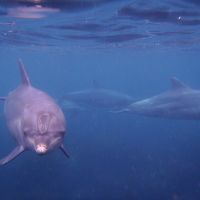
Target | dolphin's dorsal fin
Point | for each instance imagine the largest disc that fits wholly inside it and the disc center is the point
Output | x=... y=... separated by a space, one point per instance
x=177 y=84
x=24 y=75
x=95 y=84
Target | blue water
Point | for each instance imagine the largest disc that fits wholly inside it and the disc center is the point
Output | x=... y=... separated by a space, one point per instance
x=133 y=47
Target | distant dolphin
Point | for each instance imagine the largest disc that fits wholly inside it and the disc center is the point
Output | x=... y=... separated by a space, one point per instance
x=34 y=119
x=180 y=102
x=99 y=98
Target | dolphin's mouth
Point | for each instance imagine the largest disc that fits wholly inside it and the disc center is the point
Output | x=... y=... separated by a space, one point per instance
x=41 y=148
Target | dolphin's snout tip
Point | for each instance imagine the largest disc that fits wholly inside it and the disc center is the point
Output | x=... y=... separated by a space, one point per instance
x=41 y=148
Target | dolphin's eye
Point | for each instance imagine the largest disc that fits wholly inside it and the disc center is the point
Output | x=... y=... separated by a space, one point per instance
x=58 y=134
x=28 y=133
x=25 y=133
x=62 y=133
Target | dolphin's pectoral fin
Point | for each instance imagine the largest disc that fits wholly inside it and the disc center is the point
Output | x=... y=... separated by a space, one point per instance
x=18 y=150
x=62 y=148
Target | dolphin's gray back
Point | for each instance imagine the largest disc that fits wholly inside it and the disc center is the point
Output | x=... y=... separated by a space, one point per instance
x=100 y=98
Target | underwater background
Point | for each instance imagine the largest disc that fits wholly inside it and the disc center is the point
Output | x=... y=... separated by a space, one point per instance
x=133 y=47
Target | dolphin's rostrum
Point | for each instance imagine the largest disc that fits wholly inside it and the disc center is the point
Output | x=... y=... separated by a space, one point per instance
x=34 y=119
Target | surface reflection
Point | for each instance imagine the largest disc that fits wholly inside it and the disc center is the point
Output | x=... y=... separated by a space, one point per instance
x=31 y=12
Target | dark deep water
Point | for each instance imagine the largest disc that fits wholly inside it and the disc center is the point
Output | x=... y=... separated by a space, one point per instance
x=133 y=47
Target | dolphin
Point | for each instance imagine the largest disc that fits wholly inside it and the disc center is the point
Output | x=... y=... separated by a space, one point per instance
x=99 y=98
x=34 y=119
x=180 y=102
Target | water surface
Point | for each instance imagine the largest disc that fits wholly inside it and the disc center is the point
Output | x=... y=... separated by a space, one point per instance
x=133 y=47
